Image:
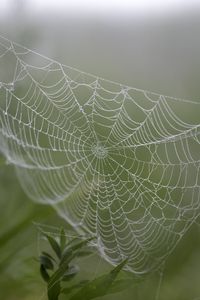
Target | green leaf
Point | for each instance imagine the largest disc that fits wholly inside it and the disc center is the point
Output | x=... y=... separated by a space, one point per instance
x=54 y=290
x=55 y=246
x=62 y=239
x=98 y=287
x=68 y=255
x=68 y=290
x=54 y=282
x=64 y=272
x=46 y=262
x=120 y=285
x=48 y=255
x=70 y=273
x=73 y=248
x=44 y=273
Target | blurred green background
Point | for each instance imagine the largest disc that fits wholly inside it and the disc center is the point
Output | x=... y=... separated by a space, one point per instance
x=152 y=53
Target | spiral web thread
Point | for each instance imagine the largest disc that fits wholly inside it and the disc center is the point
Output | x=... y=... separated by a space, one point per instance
x=115 y=161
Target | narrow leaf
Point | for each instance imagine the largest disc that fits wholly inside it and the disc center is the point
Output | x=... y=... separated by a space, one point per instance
x=54 y=282
x=46 y=262
x=55 y=246
x=74 y=247
x=48 y=255
x=120 y=285
x=80 y=284
x=67 y=256
x=70 y=273
x=54 y=290
x=62 y=239
x=44 y=273
x=99 y=286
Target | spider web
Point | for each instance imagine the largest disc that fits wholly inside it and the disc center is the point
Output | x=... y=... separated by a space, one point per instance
x=115 y=161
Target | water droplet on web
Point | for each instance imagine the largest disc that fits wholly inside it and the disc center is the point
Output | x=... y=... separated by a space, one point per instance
x=9 y=86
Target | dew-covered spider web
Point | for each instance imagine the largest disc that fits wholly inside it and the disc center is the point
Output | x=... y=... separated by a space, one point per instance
x=115 y=161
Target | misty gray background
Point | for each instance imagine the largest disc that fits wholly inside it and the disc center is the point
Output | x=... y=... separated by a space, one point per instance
x=151 y=52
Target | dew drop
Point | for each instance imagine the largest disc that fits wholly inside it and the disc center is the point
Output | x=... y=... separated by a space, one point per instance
x=10 y=86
